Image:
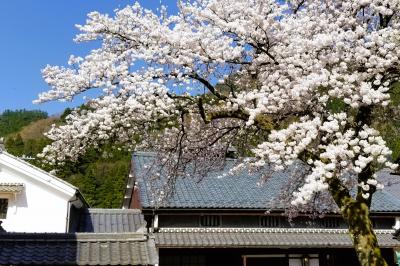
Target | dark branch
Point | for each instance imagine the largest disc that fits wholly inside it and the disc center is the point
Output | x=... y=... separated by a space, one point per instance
x=208 y=85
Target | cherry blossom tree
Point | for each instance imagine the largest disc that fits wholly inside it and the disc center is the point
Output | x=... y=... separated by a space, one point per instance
x=262 y=75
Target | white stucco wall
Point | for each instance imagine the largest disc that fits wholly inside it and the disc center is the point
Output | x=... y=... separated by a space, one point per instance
x=40 y=207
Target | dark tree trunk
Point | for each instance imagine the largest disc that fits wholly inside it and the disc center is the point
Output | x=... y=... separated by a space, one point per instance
x=356 y=214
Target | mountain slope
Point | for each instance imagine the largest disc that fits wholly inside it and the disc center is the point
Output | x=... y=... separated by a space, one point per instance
x=99 y=175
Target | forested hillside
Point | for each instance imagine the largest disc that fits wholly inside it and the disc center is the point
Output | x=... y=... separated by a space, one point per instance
x=100 y=175
x=13 y=121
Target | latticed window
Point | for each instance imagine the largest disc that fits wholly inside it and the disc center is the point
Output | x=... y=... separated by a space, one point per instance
x=331 y=222
x=270 y=221
x=210 y=220
x=3 y=208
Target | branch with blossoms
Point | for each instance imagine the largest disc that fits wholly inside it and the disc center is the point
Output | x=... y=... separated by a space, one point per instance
x=352 y=58
x=299 y=80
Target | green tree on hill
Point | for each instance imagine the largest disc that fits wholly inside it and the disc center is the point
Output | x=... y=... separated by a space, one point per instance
x=100 y=174
x=13 y=121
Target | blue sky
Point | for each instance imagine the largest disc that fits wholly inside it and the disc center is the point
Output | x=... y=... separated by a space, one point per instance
x=34 y=33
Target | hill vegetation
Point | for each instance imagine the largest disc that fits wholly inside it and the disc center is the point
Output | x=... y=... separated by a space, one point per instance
x=13 y=121
x=99 y=174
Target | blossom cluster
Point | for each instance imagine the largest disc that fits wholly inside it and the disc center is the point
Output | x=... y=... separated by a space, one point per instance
x=289 y=62
x=340 y=151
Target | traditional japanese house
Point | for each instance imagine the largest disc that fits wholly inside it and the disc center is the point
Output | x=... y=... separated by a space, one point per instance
x=231 y=220
x=33 y=200
x=46 y=221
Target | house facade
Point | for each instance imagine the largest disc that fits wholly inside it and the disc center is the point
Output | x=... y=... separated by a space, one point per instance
x=32 y=200
x=222 y=220
x=46 y=221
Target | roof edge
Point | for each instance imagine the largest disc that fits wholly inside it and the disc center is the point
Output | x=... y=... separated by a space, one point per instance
x=261 y=230
x=38 y=174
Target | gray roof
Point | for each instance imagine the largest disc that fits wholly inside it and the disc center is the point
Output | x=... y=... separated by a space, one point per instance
x=263 y=238
x=77 y=249
x=112 y=221
x=391 y=182
x=219 y=190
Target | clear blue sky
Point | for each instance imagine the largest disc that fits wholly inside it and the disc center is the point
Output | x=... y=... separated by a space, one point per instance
x=34 y=33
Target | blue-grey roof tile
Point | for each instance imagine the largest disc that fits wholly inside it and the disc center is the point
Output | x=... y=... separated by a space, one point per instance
x=391 y=182
x=219 y=190
x=263 y=238
x=111 y=221
x=77 y=249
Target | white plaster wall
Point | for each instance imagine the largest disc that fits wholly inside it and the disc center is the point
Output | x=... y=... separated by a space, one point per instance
x=38 y=208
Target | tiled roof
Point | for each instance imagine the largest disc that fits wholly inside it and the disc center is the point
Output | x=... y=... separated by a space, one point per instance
x=263 y=238
x=77 y=249
x=111 y=221
x=221 y=191
x=11 y=187
x=391 y=182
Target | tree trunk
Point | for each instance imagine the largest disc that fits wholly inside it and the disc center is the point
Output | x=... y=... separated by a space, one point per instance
x=364 y=239
x=356 y=214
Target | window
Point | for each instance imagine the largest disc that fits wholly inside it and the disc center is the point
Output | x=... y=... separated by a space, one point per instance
x=3 y=208
x=270 y=221
x=331 y=222
x=210 y=220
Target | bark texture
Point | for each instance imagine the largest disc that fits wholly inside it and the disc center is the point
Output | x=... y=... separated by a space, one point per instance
x=356 y=214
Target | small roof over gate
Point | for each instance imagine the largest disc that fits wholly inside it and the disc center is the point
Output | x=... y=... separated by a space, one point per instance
x=111 y=221
x=11 y=187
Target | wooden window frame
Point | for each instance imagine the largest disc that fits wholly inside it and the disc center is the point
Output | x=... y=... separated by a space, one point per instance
x=207 y=219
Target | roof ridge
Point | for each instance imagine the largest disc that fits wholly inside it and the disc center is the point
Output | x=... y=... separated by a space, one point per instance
x=77 y=235
x=262 y=230
x=113 y=210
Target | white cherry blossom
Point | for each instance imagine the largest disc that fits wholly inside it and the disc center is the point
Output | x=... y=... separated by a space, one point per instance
x=285 y=63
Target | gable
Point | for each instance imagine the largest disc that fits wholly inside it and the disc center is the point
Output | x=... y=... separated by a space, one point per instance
x=28 y=171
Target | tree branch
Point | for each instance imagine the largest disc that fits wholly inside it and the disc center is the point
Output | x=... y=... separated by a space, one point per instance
x=208 y=85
